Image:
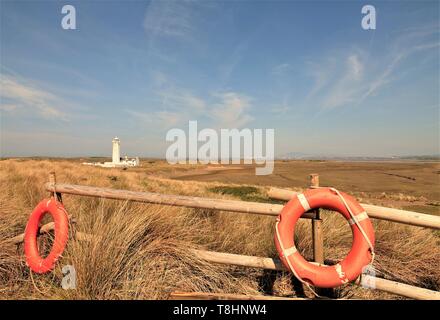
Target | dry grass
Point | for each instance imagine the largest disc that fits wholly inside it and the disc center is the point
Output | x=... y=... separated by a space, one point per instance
x=144 y=251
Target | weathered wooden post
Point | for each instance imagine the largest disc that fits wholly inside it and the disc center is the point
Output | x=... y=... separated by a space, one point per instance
x=317 y=236
x=53 y=182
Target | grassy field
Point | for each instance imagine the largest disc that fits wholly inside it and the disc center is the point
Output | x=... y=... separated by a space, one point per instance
x=144 y=251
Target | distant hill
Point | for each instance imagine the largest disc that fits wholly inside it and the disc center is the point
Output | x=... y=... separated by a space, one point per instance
x=305 y=156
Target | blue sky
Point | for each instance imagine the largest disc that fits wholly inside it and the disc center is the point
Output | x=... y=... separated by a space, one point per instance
x=135 y=69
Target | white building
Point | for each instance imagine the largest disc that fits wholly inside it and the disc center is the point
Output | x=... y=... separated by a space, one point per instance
x=116 y=155
x=117 y=161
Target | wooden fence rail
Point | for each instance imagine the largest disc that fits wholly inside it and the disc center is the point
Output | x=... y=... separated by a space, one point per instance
x=171 y=199
x=396 y=215
x=384 y=213
x=275 y=264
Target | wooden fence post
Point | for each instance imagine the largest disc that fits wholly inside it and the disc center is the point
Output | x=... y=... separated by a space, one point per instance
x=53 y=182
x=317 y=236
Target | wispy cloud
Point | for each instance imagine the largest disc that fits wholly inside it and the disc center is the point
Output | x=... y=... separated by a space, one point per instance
x=176 y=107
x=350 y=79
x=233 y=59
x=158 y=119
x=174 y=23
x=403 y=48
x=281 y=69
x=283 y=107
x=232 y=110
x=8 y=107
x=223 y=110
x=168 y=18
x=17 y=94
x=346 y=89
x=383 y=78
x=181 y=99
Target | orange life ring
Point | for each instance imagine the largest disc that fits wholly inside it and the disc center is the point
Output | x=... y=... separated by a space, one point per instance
x=319 y=275
x=61 y=220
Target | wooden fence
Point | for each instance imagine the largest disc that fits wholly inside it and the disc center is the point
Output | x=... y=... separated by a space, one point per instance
x=377 y=212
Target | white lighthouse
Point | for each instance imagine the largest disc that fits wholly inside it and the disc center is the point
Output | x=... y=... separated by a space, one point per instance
x=116 y=155
x=116 y=158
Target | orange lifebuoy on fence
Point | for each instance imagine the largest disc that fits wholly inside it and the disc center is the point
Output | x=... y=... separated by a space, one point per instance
x=362 y=249
x=61 y=220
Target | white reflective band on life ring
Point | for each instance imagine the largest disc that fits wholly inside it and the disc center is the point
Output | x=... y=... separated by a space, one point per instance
x=303 y=200
x=290 y=251
x=341 y=273
x=361 y=216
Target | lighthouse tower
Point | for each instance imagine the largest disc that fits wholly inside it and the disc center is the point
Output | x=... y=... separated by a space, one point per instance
x=116 y=156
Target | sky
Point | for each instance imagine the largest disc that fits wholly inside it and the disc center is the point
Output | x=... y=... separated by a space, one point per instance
x=136 y=69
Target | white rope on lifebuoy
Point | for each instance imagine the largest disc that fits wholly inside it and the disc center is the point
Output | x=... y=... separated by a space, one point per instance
x=356 y=221
x=286 y=254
